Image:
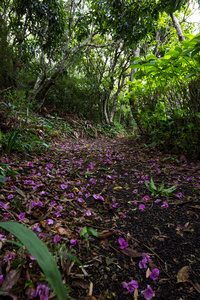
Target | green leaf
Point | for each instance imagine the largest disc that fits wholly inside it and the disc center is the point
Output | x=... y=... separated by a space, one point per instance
x=136 y=66
x=190 y=75
x=86 y=236
x=145 y=182
x=92 y=231
x=40 y=251
x=135 y=59
x=2 y=179
x=161 y=188
x=151 y=56
x=179 y=49
x=15 y=243
x=195 y=51
x=171 y=189
x=153 y=185
x=3 y=293
x=83 y=231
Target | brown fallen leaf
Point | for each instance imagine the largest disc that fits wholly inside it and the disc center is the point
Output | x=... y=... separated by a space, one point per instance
x=131 y=252
x=110 y=261
x=63 y=231
x=81 y=283
x=183 y=274
x=11 y=278
x=104 y=235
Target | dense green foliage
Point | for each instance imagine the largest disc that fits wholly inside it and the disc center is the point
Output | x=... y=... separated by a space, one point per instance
x=166 y=95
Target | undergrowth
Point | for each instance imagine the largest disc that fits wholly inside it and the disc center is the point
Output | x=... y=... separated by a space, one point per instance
x=22 y=130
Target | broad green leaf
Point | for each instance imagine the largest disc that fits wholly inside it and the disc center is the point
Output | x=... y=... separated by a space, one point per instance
x=136 y=66
x=187 y=52
x=40 y=251
x=179 y=49
x=135 y=59
x=151 y=56
x=195 y=51
x=92 y=231
x=83 y=231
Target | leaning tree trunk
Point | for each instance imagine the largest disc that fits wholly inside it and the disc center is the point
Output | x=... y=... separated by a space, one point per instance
x=44 y=83
x=178 y=28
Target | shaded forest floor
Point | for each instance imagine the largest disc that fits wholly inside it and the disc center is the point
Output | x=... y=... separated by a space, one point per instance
x=99 y=184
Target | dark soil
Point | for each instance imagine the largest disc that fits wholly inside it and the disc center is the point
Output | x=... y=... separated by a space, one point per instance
x=114 y=169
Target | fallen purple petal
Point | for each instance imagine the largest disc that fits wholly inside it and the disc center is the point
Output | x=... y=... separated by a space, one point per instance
x=123 y=243
x=148 y=293
x=154 y=274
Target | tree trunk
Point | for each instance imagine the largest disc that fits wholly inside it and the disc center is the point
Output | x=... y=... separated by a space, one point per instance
x=105 y=111
x=115 y=97
x=178 y=28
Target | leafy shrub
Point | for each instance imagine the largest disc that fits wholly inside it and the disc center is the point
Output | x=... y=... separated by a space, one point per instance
x=165 y=95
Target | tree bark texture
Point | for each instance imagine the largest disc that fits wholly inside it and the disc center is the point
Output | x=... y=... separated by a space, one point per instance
x=178 y=28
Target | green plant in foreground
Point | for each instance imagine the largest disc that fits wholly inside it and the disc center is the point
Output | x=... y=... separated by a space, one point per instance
x=86 y=231
x=156 y=191
x=64 y=254
x=12 y=140
x=40 y=252
x=6 y=171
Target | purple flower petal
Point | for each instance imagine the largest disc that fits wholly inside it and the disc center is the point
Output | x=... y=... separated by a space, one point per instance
x=42 y=291
x=179 y=195
x=148 y=293
x=146 y=198
x=130 y=286
x=88 y=213
x=73 y=241
x=21 y=216
x=164 y=204
x=154 y=274
x=49 y=222
x=123 y=243
x=141 y=207
x=56 y=238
